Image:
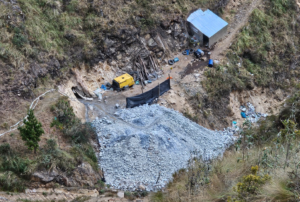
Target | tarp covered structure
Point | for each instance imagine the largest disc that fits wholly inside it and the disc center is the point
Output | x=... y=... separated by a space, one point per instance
x=149 y=96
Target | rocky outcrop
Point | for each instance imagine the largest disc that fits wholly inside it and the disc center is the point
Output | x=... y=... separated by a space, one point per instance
x=83 y=175
x=82 y=84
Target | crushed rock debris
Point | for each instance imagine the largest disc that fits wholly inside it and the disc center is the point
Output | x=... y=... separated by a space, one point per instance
x=146 y=144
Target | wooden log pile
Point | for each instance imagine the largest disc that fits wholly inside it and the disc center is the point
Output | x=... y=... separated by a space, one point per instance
x=146 y=69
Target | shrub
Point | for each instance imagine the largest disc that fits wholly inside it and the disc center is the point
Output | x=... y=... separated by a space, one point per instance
x=84 y=152
x=11 y=162
x=81 y=133
x=100 y=185
x=52 y=157
x=128 y=195
x=9 y=182
x=157 y=197
x=19 y=38
x=249 y=185
x=64 y=115
x=66 y=121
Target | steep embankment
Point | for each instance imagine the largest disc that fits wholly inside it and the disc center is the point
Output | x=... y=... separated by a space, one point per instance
x=40 y=41
x=263 y=54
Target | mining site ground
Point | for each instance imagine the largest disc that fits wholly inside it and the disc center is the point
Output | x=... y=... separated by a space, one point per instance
x=186 y=82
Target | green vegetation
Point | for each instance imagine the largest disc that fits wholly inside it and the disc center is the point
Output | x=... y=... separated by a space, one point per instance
x=13 y=169
x=263 y=165
x=10 y=161
x=19 y=38
x=266 y=47
x=55 y=27
x=81 y=199
x=10 y=182
x=49 y=27
x=52 y=157
x=27 y=200
x=31 y=131
x=71 y=126
x=249 y=185
x=80 y=134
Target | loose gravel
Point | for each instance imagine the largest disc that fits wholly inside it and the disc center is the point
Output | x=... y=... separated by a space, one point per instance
x=144 y=146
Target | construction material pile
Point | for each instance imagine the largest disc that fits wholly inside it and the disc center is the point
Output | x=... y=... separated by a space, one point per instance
x=144 y=146
x=146 y=69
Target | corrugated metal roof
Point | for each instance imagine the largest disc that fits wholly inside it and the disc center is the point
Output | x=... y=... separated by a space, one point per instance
x=207 y=22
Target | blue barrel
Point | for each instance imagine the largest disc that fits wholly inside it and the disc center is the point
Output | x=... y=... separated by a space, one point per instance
x=187 y=52
x=210 y=63
x=200 y=51
x=176 y=59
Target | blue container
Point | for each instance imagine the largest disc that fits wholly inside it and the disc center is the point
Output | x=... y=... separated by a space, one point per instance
x=243 y=114
x=187 y=52
x=200 y=51
x=210 y=63
x=176 y=59
x=103 y=87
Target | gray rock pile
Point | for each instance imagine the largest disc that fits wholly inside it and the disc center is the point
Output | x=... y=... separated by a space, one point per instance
x=145 y=145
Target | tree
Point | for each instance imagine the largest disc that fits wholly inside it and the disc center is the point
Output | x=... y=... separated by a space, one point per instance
x=31 y=131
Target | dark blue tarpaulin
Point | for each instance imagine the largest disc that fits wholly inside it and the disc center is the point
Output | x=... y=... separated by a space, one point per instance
x=149 y=96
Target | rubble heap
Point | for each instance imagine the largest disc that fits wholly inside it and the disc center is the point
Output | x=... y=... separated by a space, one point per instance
x=144 y=146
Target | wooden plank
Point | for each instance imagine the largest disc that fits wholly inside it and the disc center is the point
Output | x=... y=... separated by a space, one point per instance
x=141 y=80
x=154 y=65
x=143 y=65
x=151 y=62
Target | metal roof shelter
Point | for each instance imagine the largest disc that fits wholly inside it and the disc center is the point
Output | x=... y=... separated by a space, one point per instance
x=207 y=26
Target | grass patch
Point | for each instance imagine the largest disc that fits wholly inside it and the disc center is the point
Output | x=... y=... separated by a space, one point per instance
x=262 y=53
x=52 y=157
x=10 y=182
x=10 y=161
x=79 y=134
x=81 y=199
x=263 y=165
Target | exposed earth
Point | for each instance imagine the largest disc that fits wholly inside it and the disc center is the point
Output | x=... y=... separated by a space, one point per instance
x=137 y=149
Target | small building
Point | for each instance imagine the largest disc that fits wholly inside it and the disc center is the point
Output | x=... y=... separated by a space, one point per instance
x=207 y=27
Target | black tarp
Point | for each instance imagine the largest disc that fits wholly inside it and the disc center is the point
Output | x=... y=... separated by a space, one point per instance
x=149 y=96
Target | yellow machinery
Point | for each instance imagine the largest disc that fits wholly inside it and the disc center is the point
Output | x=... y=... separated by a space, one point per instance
x=120 y=82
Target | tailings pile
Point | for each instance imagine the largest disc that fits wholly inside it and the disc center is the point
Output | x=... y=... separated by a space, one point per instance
x=147 y=144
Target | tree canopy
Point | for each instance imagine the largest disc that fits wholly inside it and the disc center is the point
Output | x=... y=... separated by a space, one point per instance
x=31 y=131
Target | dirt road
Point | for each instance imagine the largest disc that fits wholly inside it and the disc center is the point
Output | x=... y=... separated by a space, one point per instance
x=240 y=19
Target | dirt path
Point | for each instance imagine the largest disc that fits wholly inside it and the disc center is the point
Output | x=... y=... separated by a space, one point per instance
x=240 y=19
x=61 y=195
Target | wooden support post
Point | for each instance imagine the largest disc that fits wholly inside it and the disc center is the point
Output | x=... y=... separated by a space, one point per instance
x=158 y=90
x=143 y=65
x=141 y=68
x=153 y=63
x=156 y=63
x=141 y=79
